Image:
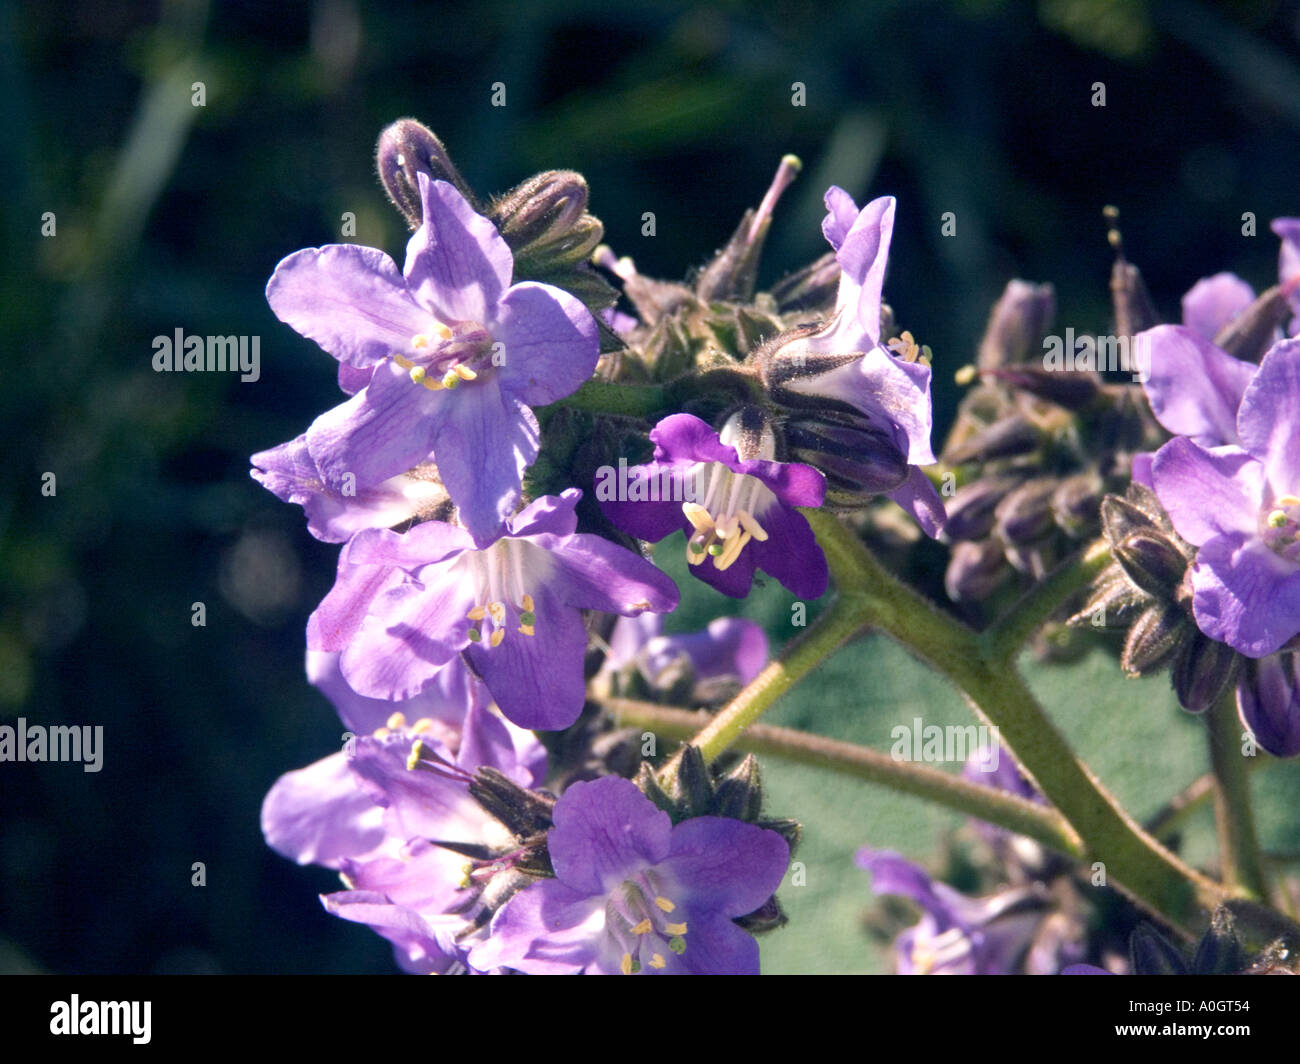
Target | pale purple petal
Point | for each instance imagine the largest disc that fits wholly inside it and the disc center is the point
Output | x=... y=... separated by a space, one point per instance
x=341 y=613
x=482 y=446
x=1269 y=418
x=550 y=343
x=318 y=815
x=596 y=574
x=606 y=830
x=790 y=553
x=456 y=262
x=547 y=929
x=1213 y=302
x=1194 y=387
x=351 y=300
x=1268 y=703
x=1208 y=493
x=1245 y=595
x=841 y=213
x=725 y=866
x=549 y=513
x=918 y=497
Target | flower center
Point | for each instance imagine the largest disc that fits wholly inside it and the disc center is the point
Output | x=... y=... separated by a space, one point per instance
x=453 y=355
x=639 y=919
x=500 y=601
x=1281 y=526
x=725 y=520
x=944 y=950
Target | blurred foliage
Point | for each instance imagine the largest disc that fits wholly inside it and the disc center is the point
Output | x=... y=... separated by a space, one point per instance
x=173 y=216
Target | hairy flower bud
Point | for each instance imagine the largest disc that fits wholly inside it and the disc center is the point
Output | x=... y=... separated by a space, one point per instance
x=1017 y=324
x=1025 y=515
x=1010 y=436
x=1153 y=639
x=858 y=460
x=975 y=570
x=972 y=510
x=1203 y=670
x=407 y=148
x=1152 y=561
x=1075 y=503
x=545 y=221
x=811 y=289
x=1249 y=334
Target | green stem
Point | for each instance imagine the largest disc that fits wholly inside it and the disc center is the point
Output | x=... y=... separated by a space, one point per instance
x=628 y=400
x=1008 y=811
x=1233 y=815
x=1004 y=638
x=1149 y=872
x=822 y=638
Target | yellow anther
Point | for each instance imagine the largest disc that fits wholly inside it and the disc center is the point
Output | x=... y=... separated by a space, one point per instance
x=422 y=725
x=418 y=750
x=382 y=733
x=625 y=965
x=477 y=613
x=442 y=330
x=466 y=876
x=965 y=375
x=526 y=629
x=751 y=526
x=675 y=929
x=644 y=927
x=527 y=603
x=663 y=903
x=1289 y=500
x=465 y=373
x=396 y=721
x=727 y=558
x=404 y=363
x=497 y=635
x=657 y=961
x=698 y=516
x=1277 y=519
x=431 y=384
x=451 y=379
x=419 y=340
x=417 y=374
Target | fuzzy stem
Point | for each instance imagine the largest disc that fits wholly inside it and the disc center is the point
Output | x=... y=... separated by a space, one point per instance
x=1233 y=815
x=1008 y=811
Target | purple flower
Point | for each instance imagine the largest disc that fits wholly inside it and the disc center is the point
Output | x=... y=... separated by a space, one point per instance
x=1213 y=302
x=957 y=935
x=729 y=653
x=376 y=812
x=1268 y=703
x=1239 y=502
x=1194 y=387
x=633 y=893
x=885 y=385
x=445 y=357
x=739 y=514
x=404 y=606
x=290 y=473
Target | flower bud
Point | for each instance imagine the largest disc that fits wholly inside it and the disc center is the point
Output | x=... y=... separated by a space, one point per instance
x=1072 y=389
x=407 y=148
x=975 y=570
x=1268 y=702
x=1154 y=638
x=858 y=460
x=1025 y=515
x=739 y=794
x=545 y=222
x=1010 y=436
x=1203 y=670
x=1016 y=327
x=1152 y=562
x=811 y=289
x=1075 y=503
x=1134 y=310
x=1251 y=332
x=971 y=511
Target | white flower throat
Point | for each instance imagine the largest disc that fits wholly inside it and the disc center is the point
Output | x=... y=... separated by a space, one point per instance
x=500 y=574
x=445 y=360
x=728 y=505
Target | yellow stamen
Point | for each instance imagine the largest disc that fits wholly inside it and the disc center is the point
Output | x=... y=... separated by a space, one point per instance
x=728 y=557
x=751 y=526
x=422 y=725
x=527 y=603
x=497 y=635
x=477 y=613
x=644 y=927
x=698 y=516
x=417 y=374
x=625 y=965
x=525 y=629
x=382 y=733
x=404 y=363
x=396 y=721
x=657 y=961
x=675 y=929
x=1289 y=500
x=465 y=373
x=418 y=751
x=497 y=611
x=431 y=384
x=451 y=379
x=663 y=903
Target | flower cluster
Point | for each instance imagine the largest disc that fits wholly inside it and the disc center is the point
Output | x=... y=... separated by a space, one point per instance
x=483 y=563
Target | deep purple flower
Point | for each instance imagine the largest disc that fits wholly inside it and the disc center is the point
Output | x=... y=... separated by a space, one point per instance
x=1268 y=703
x=445 y=357
x=726 y=655
x=887 y=386
x=633 y=893
x=404 y=606
x=1239 y=502
x=957 y=935
x=333 y=515
x=739 y=514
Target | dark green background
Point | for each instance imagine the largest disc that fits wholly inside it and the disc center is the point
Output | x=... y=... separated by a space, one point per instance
x=174 y=216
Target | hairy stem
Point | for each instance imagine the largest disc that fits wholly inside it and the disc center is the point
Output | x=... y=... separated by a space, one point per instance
x=1233 y=813
x=1008 y=811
